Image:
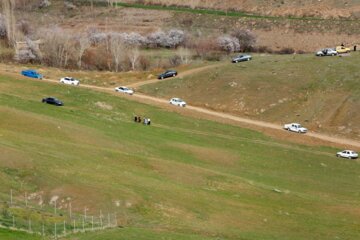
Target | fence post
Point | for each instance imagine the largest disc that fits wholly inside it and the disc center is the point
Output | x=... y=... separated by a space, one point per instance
x=74 y=229
x=55 y=232
x=101 y=223
x=11 y=197
x=55 y=207
x=64 y=228
x=29 y=225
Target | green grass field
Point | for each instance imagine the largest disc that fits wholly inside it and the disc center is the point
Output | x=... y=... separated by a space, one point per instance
x=181 y=178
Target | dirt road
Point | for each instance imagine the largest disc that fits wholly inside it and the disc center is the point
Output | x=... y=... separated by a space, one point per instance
x=183 y=74
x=219 y=116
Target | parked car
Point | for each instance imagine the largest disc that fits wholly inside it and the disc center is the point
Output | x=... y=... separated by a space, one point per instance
x=167 y=74
x=326 y=52
x=124 y=90
x=342 y=49
x=347 y=154
x=241 y=58
x=70 y=81
x=31 y=73
x=53 y=101
x=295 y=127
x=178 y=102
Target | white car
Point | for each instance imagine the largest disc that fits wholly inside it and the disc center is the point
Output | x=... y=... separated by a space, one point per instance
x=70 y=81
x=347 y=154
x=295 y=127
x=326 y=52
x=123 y=89
x=177 y=102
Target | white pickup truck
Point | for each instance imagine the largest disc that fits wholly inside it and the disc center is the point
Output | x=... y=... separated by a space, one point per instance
x=295 y=127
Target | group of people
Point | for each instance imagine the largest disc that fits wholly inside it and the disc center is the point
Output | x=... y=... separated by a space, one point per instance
x=145 y=121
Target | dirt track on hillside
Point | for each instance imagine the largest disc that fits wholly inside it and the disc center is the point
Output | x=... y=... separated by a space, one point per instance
x=183 y=74
x=274 y=130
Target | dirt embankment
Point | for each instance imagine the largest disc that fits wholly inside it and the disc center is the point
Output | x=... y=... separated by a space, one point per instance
x=302 y=8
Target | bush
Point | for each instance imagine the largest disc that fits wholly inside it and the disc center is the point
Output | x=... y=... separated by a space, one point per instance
x=229 y=44
x=213 y=56
x=286 y=50
x=175 y=61
x=172 y=39
x=24 y=27
x=246 y=38
x=2 y=27
x=263 y=49
x=203 y=46
x=144 y=63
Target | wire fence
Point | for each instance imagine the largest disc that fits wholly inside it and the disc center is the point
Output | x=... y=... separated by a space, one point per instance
x=20 y=214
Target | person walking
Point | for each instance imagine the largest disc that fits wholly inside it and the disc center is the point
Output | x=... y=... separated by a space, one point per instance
x=135 y=118
x=148 y=121
x=354 y=48
x=145 y=121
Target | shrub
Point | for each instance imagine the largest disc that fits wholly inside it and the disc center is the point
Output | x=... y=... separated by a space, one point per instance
x=203 y=46
x=286 y=50
x=229 y=44
x=2 y=27
x=172 y=39
x=144 y=63
x=213 y=56
x=24 y=27
x=246 y=38
x=175 y=61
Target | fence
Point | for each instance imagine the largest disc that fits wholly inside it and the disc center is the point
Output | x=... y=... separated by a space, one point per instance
x=21 y=214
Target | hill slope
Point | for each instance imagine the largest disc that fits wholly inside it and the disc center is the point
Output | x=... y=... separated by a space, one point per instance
x=322 y=93
x=197 y=179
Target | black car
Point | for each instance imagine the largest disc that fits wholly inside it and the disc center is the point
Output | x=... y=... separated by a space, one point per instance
x=168 y=73
x=53 y=101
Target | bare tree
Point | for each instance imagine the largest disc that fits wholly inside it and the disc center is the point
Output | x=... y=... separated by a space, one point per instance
x=117 y=49
x=57 y=47
x=8 y=7
x=133 y=55
x=184 y=54
x=83 y=43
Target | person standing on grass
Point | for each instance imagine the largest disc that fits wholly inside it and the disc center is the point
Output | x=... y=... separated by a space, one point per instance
x=145 y=121
x=148 y=121
x=354 y=48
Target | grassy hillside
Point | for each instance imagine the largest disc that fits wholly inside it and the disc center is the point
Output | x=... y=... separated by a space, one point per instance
x=181 y=178
x=323 y=93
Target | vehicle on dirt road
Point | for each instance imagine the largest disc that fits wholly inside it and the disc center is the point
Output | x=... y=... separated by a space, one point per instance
x=326 y=52
x=167 y=74
x=342 y=49
x=347 y=154
x=295 y=127
x=178 y=102
x=31 y=73
x=52 y=101
x=241 y=58
x=123 y=89
x=69 y=81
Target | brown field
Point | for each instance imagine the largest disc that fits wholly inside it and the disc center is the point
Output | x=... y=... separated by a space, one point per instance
x=303 y=8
